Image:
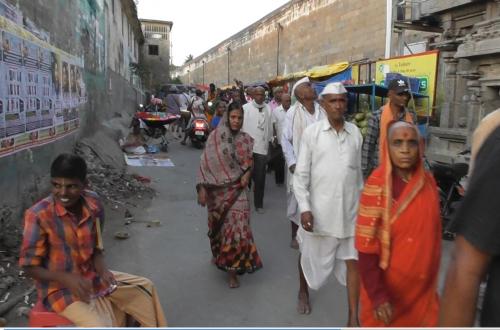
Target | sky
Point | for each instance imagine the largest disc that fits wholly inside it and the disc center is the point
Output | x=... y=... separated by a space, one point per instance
x=201 y=24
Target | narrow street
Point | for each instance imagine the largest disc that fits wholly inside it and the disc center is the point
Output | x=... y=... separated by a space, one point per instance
x=176 y=256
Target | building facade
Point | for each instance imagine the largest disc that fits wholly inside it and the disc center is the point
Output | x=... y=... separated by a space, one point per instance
x=469 y=67
x=156 y=50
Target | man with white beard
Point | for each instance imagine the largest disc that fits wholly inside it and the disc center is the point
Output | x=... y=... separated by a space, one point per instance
x=303 y=113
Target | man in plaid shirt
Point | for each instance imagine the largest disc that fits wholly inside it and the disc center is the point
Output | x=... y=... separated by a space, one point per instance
x=399 y=96
x=62 y=251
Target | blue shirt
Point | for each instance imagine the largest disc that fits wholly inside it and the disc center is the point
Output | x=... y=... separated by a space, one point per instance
x=215 y=122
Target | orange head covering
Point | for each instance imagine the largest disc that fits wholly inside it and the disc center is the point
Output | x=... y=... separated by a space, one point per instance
x=386 y=118
x=377 y=200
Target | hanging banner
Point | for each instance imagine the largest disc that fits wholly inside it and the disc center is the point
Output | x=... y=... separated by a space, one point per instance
x=41 y=88
x=422 y=66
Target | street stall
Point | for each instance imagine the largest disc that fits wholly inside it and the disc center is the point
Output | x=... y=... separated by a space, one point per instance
x=360 y=115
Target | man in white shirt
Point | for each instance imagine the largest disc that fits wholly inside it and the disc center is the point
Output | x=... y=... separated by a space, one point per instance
x=257 y=122
x=277 y=159
x=302 y=114
x=327 y=184
x=276 y=101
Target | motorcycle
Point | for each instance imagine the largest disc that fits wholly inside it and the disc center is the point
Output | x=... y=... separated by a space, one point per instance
x=450 y=181
x=198 y=132
x=153 y=123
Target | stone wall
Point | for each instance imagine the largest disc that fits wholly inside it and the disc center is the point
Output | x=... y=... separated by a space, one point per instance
x=469 y=70
x=311 y=32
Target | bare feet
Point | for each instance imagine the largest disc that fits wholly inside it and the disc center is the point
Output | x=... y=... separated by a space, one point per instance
x=233 y=280
x=303 y=306
x=294 y=244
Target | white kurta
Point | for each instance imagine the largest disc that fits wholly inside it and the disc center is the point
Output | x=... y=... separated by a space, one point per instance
x=328 y=182
x=279 y=117
x=296 y=120
x=328 y=179
x=258 y=124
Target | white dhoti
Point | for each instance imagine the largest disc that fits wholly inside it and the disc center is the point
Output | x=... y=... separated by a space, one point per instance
x=320 y=255
x=292 y=206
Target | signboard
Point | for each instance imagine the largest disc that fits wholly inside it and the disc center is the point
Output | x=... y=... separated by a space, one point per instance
x=41 y=90
x=422 y=66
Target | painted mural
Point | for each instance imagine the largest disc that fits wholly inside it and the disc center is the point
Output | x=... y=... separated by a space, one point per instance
x=41 y=88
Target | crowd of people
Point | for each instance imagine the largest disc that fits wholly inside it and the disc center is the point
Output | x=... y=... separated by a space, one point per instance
x=365 y=209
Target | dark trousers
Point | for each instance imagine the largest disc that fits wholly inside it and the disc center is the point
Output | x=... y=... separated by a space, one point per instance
x=259 y=179
x=278 y=164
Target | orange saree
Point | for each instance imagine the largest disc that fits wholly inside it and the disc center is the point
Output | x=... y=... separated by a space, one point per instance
x=406 y=235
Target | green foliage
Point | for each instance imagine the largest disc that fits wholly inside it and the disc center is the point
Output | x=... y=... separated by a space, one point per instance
x=140 y=69
x=177 y=80
x=188 y=58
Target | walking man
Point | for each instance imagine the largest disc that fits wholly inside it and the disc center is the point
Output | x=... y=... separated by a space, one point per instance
x=395 y=109
x=327 y=183
x=303 y=113
x=258 y=124
x=278 y=160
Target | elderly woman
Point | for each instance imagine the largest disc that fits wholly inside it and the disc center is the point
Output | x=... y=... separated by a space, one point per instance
x=398 y=236
x=223 y=177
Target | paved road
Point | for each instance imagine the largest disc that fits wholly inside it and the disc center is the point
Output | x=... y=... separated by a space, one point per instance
x=176 y=256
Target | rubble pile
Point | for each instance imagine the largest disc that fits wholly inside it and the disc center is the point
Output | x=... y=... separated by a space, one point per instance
x=113 y=185
x=14 y=290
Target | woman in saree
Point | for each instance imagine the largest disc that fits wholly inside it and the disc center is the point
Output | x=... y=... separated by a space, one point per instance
x=398 y=236
x=223 y=177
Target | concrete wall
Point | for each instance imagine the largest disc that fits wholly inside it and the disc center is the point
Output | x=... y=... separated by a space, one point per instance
x=311 y=32
x=157 y=65
x=84 y=29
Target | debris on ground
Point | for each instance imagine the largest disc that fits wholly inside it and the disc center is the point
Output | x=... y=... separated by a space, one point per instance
x=128 y=215
x=13 y=283
x=14 y=300
x=122 y=235
x=113 y=185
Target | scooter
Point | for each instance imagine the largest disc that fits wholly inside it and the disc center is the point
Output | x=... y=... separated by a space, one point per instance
x=198 y=132
x=450 y=178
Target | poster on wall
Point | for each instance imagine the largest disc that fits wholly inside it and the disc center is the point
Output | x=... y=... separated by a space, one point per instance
x=41 y=90
x=422 y=66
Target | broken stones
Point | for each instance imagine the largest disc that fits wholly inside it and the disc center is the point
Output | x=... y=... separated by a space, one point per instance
x=112 y=184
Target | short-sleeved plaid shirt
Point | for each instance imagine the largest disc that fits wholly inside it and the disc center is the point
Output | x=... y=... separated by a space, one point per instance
x=54 y=239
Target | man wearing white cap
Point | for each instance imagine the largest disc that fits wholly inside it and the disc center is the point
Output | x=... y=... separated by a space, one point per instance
x=327 y=183
x=304 y=112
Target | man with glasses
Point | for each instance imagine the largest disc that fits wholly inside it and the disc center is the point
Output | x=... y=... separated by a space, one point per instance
x=395 y=109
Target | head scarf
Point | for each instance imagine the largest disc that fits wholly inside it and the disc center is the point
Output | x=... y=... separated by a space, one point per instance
x=377 y=200
x=385 y=119
x=227 y=155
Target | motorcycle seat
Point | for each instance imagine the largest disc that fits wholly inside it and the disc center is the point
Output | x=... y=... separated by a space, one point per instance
x=455 y=171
